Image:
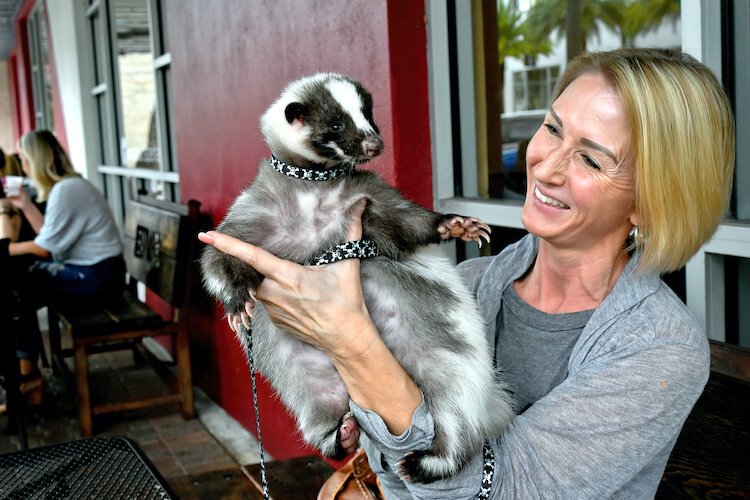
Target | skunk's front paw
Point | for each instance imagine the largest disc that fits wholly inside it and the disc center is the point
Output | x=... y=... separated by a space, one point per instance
x=241 y=315
x=466 y=228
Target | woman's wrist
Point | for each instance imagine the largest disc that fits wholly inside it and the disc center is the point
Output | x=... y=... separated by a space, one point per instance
x=376 y=381
x=353 y=339
x=23 y=207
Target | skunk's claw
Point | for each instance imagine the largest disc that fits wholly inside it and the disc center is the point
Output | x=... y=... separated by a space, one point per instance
x=465 y=228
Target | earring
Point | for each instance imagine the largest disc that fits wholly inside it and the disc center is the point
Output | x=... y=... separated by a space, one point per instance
x=633 y=235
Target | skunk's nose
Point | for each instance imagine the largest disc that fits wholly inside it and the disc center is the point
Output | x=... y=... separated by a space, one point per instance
x=372 y=146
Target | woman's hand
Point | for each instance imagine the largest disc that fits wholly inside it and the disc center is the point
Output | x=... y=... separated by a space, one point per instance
x=33 y=216
x=323 y=305
x=21 y=201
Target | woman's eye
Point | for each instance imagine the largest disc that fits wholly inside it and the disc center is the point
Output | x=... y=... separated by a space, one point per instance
x=552 y=129
x=590 y=162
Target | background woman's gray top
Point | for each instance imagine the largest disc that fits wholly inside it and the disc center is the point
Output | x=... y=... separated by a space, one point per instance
x=606 y=430
x=78 y=224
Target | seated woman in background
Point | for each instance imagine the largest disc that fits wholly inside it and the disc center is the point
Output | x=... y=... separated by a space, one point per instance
x=77 y=231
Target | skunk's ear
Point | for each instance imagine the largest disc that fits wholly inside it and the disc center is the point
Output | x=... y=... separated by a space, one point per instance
x=295 y=111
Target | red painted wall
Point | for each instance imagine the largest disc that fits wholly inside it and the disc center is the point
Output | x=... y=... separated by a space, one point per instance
x=19 y=74
x=230 y=59
x=25 y=99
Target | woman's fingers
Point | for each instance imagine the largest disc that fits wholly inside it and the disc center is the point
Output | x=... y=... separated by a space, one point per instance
x=355 y=230
x=259 y=259
x=20 y=200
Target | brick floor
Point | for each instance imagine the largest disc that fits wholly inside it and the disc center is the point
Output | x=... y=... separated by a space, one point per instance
x=177 y=447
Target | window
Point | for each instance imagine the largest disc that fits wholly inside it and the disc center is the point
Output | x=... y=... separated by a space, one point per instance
x=131 y=66
x=41 y=78
x=136 y=83
x=467 y=179
x=533 y=87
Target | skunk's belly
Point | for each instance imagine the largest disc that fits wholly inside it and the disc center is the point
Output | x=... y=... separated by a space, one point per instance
x=300 y=373
x=423 y=311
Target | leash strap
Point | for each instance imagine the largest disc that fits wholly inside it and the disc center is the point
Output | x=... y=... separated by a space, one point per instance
x=349 y=250
x=488 y=472
x=251 y=360
x=361 y=249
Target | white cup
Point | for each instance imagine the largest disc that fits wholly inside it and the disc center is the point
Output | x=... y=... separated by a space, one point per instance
x=12 y=185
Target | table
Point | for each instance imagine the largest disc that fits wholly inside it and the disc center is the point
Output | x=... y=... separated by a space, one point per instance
x=100 y=467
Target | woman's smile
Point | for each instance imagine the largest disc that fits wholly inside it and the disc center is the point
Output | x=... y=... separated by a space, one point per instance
x=548 y=200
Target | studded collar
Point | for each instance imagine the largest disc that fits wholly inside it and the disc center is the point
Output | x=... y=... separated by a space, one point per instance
x=310 y=174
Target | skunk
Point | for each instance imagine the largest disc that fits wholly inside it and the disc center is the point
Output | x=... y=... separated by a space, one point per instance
x=299 y=208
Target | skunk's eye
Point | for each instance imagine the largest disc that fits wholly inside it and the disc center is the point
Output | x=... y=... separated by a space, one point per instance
x=336 y=127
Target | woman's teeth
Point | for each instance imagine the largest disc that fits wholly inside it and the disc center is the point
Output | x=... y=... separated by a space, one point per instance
x=547 y=200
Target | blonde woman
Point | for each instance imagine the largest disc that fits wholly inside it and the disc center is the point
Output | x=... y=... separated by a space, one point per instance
x=77 y=242
x=628 y=176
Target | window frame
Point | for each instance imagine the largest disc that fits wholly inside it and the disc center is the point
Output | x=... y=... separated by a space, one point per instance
x=38 y=60
x=548 y=83
x=120 y=182
x=705 y=273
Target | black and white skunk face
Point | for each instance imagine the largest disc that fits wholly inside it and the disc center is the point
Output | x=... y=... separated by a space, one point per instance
x=323 y=119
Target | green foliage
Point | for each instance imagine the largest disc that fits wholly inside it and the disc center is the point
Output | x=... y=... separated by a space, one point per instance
x=643 y=16
x=628 y=18
x=515 y=39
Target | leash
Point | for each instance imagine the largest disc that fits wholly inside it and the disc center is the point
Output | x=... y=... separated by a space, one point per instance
x=488 y=472
x=349 y=250
x=251 y=361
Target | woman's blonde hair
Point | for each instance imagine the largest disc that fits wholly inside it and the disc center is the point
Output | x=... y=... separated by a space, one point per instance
x=48 y=161
x=681 y=142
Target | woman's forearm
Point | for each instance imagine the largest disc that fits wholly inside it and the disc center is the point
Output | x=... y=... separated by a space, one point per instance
x=377 y=382
x=26 y=248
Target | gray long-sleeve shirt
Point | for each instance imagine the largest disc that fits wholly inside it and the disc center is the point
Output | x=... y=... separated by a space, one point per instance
x=606 y=431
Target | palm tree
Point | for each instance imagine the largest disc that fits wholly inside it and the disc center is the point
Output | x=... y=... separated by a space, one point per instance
x=515 y=39
x=548 y=18
x=626 y=17
x=643 y=16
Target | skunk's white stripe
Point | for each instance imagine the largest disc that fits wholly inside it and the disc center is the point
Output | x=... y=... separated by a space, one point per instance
x=347 y=96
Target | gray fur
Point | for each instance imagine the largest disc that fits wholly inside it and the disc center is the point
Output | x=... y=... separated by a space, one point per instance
x=419 y=304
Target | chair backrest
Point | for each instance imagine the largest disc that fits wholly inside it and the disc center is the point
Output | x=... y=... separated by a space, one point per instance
x=730 y=360
x=710 y=456
x=159 y=238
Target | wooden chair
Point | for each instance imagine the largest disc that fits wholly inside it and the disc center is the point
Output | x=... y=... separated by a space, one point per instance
x=159 y=238
x=710 y=458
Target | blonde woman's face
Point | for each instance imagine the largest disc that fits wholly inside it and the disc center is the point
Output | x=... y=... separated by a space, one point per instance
x=580 y=187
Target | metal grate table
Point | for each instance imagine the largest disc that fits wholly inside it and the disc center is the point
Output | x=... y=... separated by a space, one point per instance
x=111 y=467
